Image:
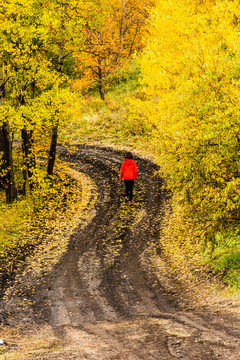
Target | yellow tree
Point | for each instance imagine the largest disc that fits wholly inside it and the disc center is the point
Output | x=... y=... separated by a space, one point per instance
x=112 y=33
x=6 y=163
x=24 y=42
x=19 y=39
x=190 y=77
x=29 y=78
x=65 y=31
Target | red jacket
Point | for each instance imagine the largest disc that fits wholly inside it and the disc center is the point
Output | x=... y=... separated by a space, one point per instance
x=128 y=170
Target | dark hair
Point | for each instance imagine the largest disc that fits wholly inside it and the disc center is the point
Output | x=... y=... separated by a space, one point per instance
x=128 y=155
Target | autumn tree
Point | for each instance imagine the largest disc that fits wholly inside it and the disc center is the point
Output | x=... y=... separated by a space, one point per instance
x=24 y=40
x=6 y=162
x=65 y=33
x=29 y=80
x=61 y=48
x=112 y=33
x=190 y=77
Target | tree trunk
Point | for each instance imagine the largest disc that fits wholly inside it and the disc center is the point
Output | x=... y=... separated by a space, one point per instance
x=101 y=81
x=121 y=35
x=7 y=180
x=6 y=161
x=29 y=158
x=101 y=77
x=101 y=89
x=53 y=150
x=53 y=146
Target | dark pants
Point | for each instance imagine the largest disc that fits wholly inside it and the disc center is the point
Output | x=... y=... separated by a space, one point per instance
x=129 y=188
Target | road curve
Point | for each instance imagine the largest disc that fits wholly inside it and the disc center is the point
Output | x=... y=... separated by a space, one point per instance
x=107 y=288
x=102 y=276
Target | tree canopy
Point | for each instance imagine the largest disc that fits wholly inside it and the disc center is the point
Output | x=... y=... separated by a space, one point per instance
x=48 y=51
x=190 y=79
x=112 y=34
x=33 y=89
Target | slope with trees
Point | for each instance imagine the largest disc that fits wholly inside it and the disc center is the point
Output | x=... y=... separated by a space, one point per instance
x=34 y=89
x=112 y=34
x=190 y=81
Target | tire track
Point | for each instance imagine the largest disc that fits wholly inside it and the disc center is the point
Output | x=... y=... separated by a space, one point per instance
x=103 y=289
x=123 y=284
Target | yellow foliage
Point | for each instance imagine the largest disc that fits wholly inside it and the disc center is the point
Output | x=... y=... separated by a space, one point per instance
x=112 y=34
x=190 y=81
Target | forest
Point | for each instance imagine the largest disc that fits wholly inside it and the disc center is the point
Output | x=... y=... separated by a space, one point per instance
x=156 y=76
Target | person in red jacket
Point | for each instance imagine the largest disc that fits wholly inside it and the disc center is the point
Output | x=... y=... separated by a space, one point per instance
x=128 y=173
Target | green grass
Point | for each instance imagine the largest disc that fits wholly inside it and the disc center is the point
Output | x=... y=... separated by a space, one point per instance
x=108 y=121
x=13 y=220
x=225 y=259
x=226 y=264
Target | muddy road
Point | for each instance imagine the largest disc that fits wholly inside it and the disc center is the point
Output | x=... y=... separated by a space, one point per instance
x=106 y=299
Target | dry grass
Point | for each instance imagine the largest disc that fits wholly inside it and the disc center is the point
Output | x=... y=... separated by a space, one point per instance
x=26 y=343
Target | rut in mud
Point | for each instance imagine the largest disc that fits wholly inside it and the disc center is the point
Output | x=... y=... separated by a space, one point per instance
x=106 y=298
x=104 y=275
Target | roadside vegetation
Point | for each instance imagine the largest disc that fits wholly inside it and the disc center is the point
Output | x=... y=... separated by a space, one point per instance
x=34 y=230
x=190 y=80
x=189 y=251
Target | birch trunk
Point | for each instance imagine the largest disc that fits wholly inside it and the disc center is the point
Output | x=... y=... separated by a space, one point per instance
x=53 y=146
x=6 y=161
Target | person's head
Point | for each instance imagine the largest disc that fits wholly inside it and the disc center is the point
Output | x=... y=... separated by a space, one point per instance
x=128 y=155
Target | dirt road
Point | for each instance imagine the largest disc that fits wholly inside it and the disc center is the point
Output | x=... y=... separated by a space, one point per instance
x=107 y=299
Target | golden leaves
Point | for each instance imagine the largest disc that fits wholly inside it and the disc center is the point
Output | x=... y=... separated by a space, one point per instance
x=190 y=100
x=112 y=34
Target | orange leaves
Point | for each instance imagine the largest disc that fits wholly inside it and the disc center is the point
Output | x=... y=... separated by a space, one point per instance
x=112 y=33
x=190 y=83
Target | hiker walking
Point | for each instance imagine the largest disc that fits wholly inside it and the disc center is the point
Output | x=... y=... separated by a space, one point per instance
x=128 y=173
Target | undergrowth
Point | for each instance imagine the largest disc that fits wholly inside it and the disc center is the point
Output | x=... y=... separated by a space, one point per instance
x=225 y=259
x=108 y=121
x=27 y=222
